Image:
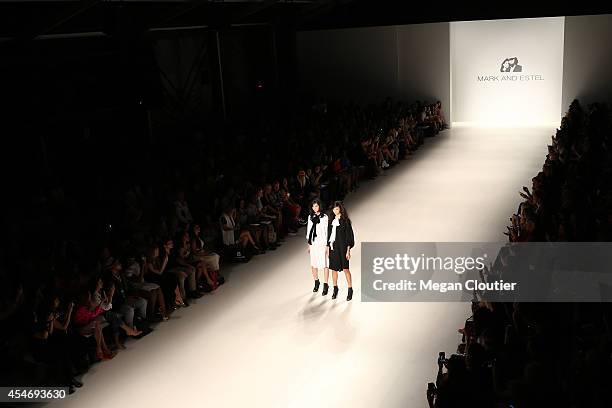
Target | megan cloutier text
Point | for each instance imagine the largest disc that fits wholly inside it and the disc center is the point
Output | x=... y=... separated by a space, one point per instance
x=443 y=287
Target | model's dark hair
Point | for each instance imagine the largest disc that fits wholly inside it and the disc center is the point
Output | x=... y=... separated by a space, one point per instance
x=343 y=211
x=316 y=201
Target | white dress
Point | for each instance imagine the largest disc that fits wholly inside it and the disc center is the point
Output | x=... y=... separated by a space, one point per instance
x=318 y=248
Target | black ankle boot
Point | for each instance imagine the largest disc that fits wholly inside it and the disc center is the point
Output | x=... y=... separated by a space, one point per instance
x=316 y=288
x=350 y=294
x=335 y=294
x=325 y=289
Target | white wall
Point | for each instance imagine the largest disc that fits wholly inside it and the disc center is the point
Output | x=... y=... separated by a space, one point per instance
x=369 y=64
x=587 y=73
x=533 y=95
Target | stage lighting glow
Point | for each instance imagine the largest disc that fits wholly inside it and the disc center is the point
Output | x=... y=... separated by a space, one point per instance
x=507 y=72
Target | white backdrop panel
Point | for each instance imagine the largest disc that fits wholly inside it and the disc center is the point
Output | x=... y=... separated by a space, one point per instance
x=523 y=95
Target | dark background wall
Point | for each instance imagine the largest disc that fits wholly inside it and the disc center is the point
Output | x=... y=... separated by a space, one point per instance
x=356 y=63
x=424 y=63
x=88 y=103
x=587 y=59
x=187 y=71
x=369 y=64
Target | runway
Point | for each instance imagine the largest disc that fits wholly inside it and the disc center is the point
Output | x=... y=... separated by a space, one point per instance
x=264 y=340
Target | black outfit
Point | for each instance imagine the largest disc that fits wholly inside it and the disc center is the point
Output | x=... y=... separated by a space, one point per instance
x=121 y=290
x=168 y=283
x=344 y=239
x=54 y=352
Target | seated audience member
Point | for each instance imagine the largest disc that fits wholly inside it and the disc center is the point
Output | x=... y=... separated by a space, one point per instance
x=384 y=152
x=87 y=325
x=337 y=178
x=284 y=184
x=51 y=350
x=183 y=214
x=301 y=190
x=289 y=214
x=185 y=272
x=156 y=270
x=260 y=223
x=209 y=259
x=234 y=239
x=392 y=145
x=291 y=211
x=228 y=227
x=439 y=113
x=204 y=283
x=248 y=233
x=151 y=291
x=127 y=304
x=271 y=207
x=422 y=118
x=369 y=147
x=453 y=388
x=316 y=177
x=352 y=170
x=102 y=299
x=345 y=172
x=408 y=129
x=273 y=195
x=320 y=182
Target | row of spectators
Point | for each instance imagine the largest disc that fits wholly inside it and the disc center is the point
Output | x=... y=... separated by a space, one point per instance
x=90 y=265
x=544 y=354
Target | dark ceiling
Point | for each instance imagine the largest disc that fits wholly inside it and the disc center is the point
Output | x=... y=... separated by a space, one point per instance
x=27 y=20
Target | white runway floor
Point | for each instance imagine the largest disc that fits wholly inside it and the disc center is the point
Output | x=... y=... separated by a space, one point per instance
x=264 y=340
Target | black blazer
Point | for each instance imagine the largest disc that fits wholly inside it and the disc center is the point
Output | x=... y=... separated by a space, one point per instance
x=344 y=234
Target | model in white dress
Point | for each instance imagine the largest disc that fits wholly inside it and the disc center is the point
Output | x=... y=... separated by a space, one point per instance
x=316 y=236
